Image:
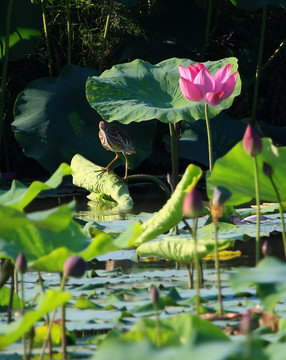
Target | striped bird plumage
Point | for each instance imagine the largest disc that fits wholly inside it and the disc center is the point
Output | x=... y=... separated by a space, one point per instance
x=115 y=139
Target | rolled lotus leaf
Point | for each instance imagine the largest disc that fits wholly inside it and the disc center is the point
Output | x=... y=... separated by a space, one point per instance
x=99 y=183
x=180 y=249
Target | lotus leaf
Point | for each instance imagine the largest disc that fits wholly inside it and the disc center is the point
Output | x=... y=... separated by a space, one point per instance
x=172 y=212
x=138 y=91
x=234 y=171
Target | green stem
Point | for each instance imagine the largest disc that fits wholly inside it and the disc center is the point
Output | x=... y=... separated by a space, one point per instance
x=22 y=313
x=50 y=346
x=68 y=30
x=5 y=65
x=51 y=322
x=174 y=153
x=103 y=46
x=197 y=266
x=218 y=270
x=281 y=213
x=208 y=24
x=149 y=178
x=256 y=182
x=259 y=62
x=158 y=328
x=209 y=138
x=47 y=38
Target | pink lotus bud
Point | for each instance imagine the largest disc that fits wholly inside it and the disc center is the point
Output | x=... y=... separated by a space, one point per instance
x=267 y=169
x=74 y=266
x=21 y=263
x=245 y=322
x=154 y=295
x=252 y=142
x=266 y=248
x=192 y=205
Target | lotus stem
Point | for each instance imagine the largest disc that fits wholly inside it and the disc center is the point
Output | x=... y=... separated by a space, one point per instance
x=174 y=134
x=63 y=322
x=12 y=286
x=22 y=313
x=47 y=38
x=208 y=24
x=217 y=268
x=281 y=213
x=68 y=30
x=50 y=346
x=259 y=62
x=257 y=195
x=51 y=322
x=197 y=266
x=5 y=65
x=103 y=46
x=150 y=178
x=209 y=138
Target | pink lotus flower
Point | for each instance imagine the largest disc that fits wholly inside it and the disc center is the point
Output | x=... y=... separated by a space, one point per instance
x=198 y=84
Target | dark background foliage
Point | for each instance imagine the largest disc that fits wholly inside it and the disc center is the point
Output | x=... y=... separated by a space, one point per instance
x=153 y=30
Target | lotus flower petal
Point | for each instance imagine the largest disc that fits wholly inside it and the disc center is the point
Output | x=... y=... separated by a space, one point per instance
x=229 y=86
x=221 y=77
x=190 y=90
x=213 y=98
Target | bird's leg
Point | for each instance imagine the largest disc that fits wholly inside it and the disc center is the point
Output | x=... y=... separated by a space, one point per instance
x=112 y=162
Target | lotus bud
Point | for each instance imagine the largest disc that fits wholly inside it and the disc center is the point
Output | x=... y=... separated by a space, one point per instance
x=245 y=323
x=192 y=205
x=154 y=295
x=74 y=266
x=266 y=248
x=21 y=263
x=267 y=169
x=252 y=142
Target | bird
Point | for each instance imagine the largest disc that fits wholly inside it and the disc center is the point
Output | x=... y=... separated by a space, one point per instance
x=115 y=139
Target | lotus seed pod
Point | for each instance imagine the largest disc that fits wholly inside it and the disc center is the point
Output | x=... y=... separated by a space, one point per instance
x=21 y=263
x=74 y=266
x=192 y=205
x=252 y=142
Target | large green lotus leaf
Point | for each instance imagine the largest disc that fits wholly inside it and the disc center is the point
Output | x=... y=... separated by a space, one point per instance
x=25 y=28
x=255 y=4
x=172 y=212
x=234 y=171
x=219 y=350
x=180 y=249
x=46 y=303
x=90 y=176
x=139 y=91
x=53 y=122
x=226 y=132
x=268 y=276
x=19 y=196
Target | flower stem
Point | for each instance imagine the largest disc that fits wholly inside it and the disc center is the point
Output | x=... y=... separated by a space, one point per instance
x=22 y=313
x=174 y=153
x=217 y=269
x=259 y=62
x=197 y=266
x=68 y=14
x=51 y=322
x=49 y=53
x=209 y=138
x=208 y=24
x=103 y=46
x=281 y=213
x=256 y=182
